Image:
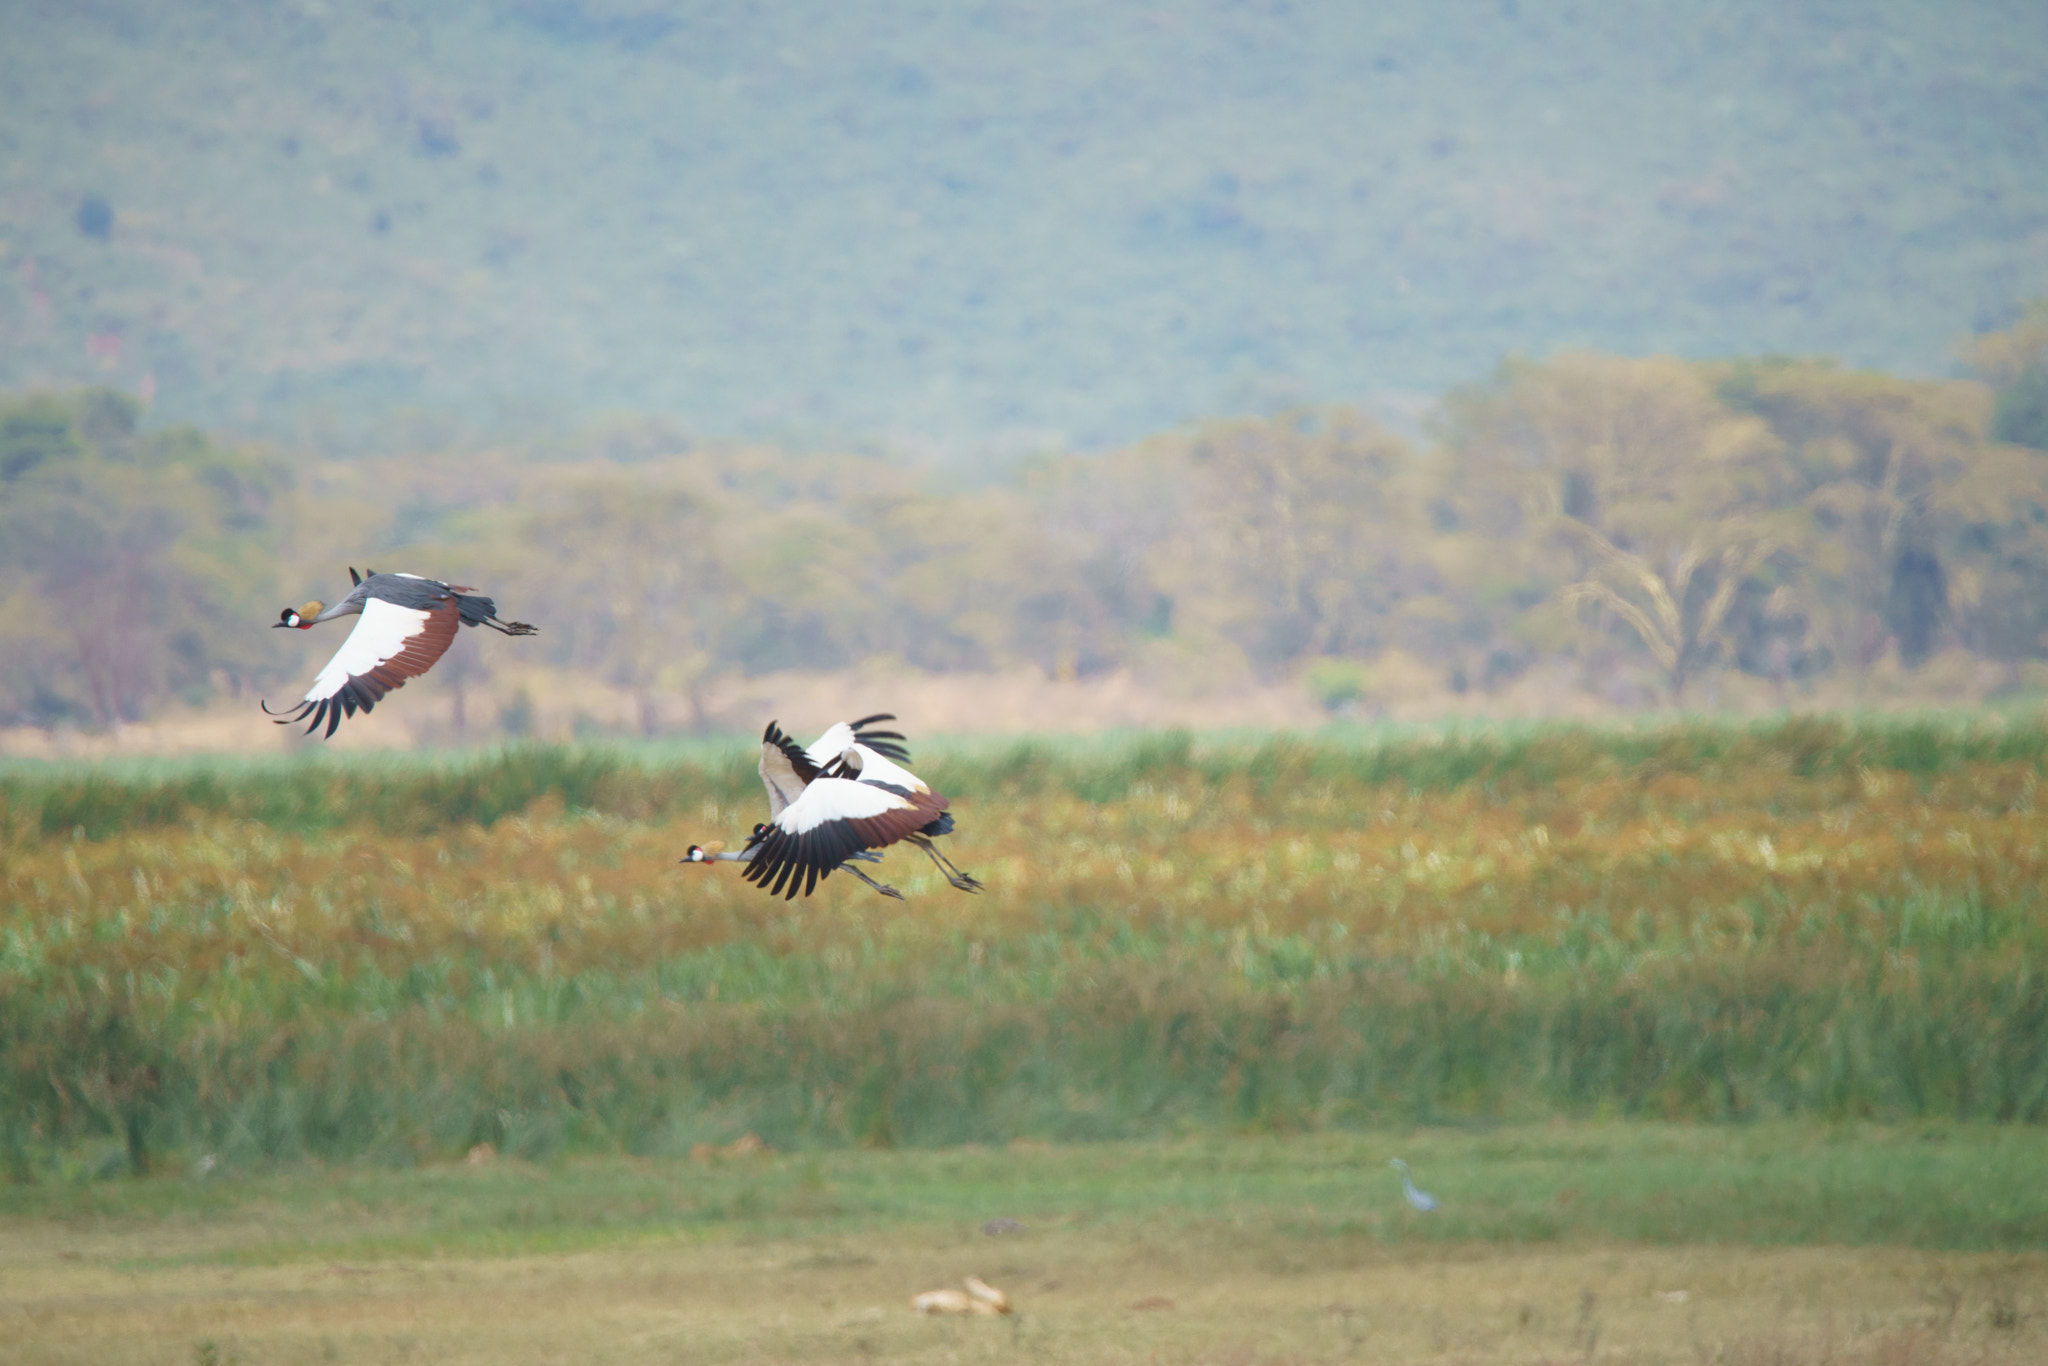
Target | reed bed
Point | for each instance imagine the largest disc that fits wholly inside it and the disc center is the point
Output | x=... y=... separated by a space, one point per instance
x=396 y=959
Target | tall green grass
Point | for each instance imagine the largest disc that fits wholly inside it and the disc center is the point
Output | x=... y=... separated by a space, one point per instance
x=647 y=1065
x=427 y=792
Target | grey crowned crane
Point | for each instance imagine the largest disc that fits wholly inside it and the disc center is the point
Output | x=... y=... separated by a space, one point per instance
x=834 y=804
x=786 y=771
x=406 y=624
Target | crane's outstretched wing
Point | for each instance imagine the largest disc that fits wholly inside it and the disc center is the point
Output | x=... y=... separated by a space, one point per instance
x=834 y=741
x=869 y=765
x=388 y=645
x=833 y=820
x=785 y=769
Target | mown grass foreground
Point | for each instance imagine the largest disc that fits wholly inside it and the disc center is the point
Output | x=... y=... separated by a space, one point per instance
x=395 y=960
x=1779 y=1243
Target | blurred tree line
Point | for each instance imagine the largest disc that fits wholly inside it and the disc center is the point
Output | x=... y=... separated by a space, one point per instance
x=1785 y=518
x=131 y=564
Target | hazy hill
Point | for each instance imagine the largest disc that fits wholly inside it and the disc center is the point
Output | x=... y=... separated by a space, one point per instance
x=992 y=225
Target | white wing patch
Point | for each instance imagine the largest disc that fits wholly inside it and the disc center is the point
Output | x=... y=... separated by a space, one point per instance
x=876 y=768
x=383 y=631
x=837 y=799
x=830 y=745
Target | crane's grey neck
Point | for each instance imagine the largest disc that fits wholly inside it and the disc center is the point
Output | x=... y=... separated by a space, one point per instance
x=350 y=606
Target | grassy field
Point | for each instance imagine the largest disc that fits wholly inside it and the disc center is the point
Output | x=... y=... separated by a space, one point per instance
x=1718 y=1043
x=1771 y=1243
x=395 y=959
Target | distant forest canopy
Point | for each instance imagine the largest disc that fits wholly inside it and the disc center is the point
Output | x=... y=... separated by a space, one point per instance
x=992 y=227
x=1786 y=518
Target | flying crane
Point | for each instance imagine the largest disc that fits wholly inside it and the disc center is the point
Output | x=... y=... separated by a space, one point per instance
x=405 y=623
x=834 y=804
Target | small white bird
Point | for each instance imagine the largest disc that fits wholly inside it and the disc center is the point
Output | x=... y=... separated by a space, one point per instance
x=977 y=1297
x=1421 y=1199
x=406 y=624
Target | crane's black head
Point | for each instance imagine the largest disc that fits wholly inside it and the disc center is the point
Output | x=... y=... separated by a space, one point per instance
x=299 y=618
x=700 y=853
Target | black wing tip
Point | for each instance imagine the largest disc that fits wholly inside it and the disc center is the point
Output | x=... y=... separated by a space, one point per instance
x=328 y=711
x=887 y=743
x=312 y=713
x=890 y=744
x=777 y=737
x=790 y=866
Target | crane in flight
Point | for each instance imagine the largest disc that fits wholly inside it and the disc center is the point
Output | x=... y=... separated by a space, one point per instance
x=834 y=804
x=404 y=624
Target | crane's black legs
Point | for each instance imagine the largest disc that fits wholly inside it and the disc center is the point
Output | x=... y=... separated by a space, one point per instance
x=961 y=881
x=510 y=628
x=953 y=875
x=884 y=890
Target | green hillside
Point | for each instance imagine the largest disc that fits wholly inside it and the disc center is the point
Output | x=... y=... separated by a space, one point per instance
x=990 y=226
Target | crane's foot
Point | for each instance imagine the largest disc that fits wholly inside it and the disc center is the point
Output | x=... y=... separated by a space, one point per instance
x=883 y=888
x=960 y=881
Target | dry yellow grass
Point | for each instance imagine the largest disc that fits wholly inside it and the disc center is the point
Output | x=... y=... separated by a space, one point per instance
x=1665 y=856
x=110 y=1296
